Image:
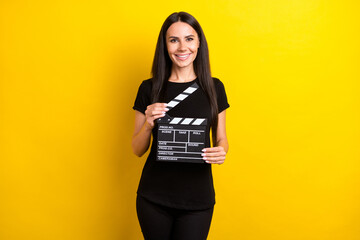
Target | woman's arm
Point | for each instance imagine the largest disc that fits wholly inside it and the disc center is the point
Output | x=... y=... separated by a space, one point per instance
x=144 y=123
x=142 y=135
x=221 y=139
x=217 y=153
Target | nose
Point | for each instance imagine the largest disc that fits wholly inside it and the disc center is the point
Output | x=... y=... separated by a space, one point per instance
x=182 y=46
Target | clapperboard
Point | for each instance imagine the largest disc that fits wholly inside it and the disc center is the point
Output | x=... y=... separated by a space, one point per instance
x=181 y=139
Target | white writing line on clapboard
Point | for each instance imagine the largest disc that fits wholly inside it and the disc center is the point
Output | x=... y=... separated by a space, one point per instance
x=177 y=152
x=179 y=142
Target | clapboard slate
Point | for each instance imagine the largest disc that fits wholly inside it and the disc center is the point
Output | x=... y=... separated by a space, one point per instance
x=181 y=139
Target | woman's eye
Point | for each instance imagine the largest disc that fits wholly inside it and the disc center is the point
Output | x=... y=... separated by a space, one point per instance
x=173 y=40
x=189 y=39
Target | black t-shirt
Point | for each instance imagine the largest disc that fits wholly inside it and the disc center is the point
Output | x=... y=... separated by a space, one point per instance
x=179 y=185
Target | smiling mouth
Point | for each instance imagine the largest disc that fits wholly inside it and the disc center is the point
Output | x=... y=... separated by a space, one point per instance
x=182 y=56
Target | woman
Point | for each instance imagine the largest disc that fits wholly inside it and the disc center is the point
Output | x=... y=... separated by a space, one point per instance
x=175 y=200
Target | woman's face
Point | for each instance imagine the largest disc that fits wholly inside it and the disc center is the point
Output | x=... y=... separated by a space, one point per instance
x=182 y=44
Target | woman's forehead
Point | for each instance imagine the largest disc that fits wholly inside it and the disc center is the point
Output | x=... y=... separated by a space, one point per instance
x=179 y=29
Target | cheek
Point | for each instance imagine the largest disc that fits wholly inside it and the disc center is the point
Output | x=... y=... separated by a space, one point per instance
x=195 y=47
x=168 y=47
x=171 y=48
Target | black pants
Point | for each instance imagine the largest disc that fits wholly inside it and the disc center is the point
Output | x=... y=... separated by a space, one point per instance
x=163 y=223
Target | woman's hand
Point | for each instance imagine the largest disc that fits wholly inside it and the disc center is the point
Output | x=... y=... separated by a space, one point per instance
x=153 y=112
x=214 y=155
x=143 y=126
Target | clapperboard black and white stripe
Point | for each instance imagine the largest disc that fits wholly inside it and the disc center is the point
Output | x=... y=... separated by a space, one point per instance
x=181 y=139
x=182 y=96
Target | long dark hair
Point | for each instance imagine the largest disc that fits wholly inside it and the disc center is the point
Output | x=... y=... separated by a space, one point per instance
x=161 y=68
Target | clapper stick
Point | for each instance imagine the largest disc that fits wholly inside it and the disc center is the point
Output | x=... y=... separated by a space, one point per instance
x=179 y=98
x=182 y=96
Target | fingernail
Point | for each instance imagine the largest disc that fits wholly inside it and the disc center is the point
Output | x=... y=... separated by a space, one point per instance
x=203 y=154
x=204 y=158
x=207 y=161
x=166 y=109
x=204 y=150
x=165 y=104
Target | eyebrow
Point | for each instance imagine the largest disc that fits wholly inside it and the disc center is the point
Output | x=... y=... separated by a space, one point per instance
x=185 y=36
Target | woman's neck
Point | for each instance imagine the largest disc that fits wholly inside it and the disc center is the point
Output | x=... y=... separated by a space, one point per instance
x=185 y=74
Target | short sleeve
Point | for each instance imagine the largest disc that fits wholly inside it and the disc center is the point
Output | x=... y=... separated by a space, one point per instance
x=221 y=95
x=143 y=97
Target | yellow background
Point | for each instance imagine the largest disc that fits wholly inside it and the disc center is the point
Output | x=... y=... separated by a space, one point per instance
x=69 y=74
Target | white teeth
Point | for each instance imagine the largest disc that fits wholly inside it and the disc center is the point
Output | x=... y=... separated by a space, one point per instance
x=183 y=56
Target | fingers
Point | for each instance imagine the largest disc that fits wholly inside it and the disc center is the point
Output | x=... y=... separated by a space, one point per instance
x=158 y=107
x=214 y=155
x=155 y=111
x=213 y=149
